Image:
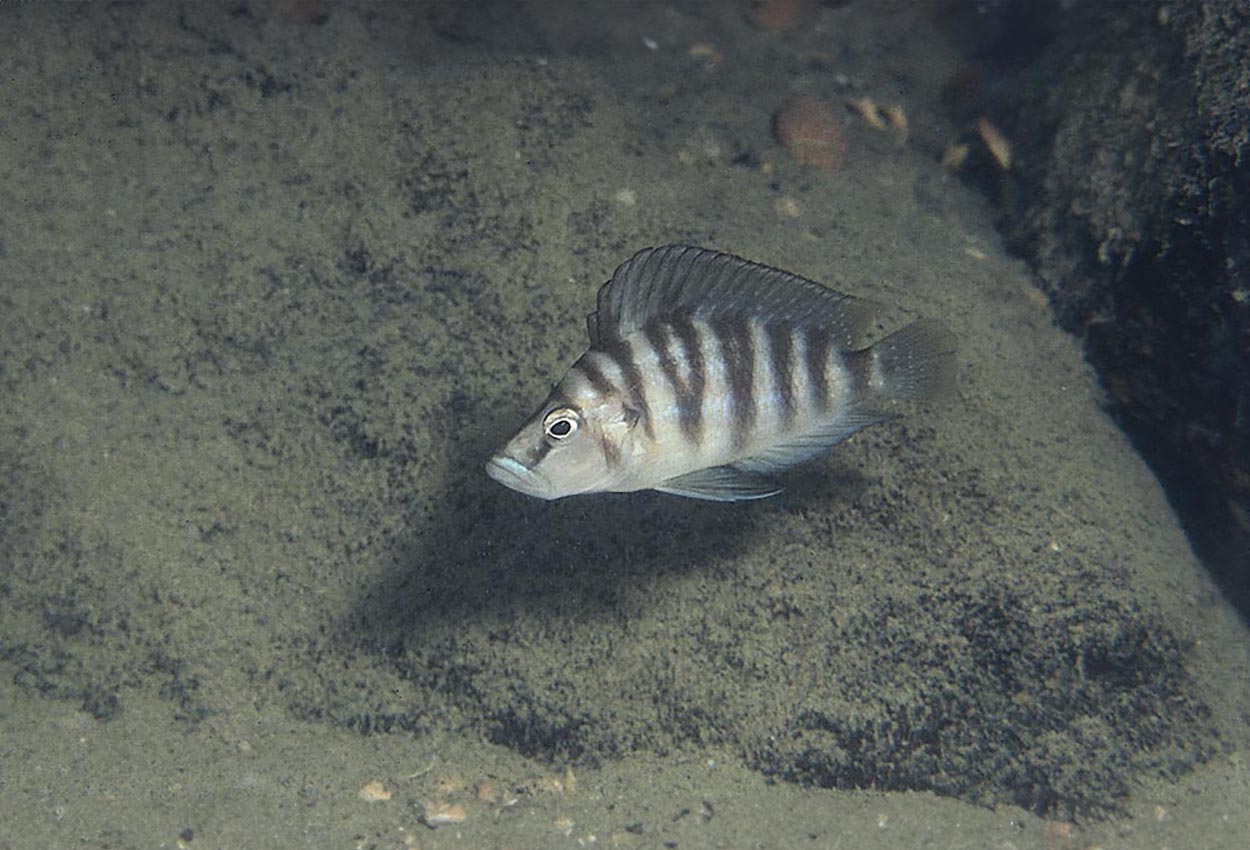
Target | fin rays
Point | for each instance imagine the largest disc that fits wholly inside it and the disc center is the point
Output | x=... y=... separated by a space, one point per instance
x=660 y=283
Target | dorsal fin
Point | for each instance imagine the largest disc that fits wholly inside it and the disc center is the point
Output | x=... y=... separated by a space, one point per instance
x=679 y=280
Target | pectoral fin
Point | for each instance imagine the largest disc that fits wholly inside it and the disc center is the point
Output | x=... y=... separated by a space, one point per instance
x=721 y=484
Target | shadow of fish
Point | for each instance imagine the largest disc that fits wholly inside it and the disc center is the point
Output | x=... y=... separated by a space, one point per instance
x=707 y=374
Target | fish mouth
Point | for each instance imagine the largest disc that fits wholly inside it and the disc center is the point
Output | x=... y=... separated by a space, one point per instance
x=514 y=475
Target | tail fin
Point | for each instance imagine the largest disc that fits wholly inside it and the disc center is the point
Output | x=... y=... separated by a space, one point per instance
x=916 y=362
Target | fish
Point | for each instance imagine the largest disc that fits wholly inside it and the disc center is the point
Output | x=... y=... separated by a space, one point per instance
x=708 y=374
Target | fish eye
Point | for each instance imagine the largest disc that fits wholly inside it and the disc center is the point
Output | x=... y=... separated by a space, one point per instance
x=561 y=423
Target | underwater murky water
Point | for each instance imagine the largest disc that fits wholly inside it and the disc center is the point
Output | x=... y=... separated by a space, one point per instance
x=276 y=278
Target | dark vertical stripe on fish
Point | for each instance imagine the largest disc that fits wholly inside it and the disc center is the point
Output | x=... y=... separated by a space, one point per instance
x=859 y=365
x=738 y=354
x=688 y=394
x=634 y=391
x=611 y=451
x=780 y=358
x=540 y=452
x=602 y=385
x=692 y=345
x=594 y=376
x=817 y=359
x=658 y=340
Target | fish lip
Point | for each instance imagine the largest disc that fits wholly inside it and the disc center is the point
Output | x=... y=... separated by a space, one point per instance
x=514 y=475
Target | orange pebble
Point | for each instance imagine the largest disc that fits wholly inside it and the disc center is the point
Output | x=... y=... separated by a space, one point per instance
x=810 y=130
x=777 y=14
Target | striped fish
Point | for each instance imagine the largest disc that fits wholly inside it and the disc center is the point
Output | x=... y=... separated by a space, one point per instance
x=707 y=374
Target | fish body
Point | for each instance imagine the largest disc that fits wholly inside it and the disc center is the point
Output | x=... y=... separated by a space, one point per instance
x=707 y=374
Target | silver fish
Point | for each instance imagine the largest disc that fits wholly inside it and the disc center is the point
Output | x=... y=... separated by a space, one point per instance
x=707 y=374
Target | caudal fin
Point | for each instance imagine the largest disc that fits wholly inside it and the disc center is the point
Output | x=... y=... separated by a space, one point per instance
x=916 y=362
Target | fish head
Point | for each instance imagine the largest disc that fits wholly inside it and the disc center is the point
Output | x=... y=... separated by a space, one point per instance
x=565 y=449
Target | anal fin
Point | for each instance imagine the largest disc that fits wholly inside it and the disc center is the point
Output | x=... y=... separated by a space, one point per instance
x=721 y=484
